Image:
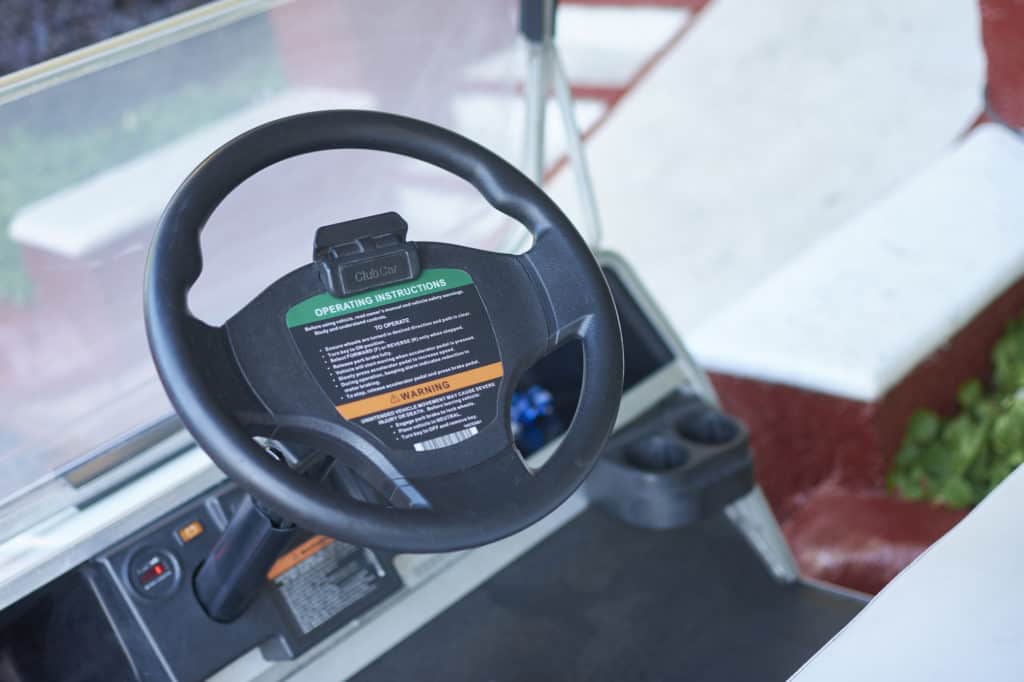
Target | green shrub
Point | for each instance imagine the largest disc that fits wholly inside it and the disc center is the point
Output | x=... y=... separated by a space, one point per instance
x=957 y=461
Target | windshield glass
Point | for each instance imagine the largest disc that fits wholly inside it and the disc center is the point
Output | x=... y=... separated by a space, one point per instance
x=93 y=148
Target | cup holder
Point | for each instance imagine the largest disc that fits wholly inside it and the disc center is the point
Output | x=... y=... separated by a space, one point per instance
x=656 y=452
x=680 y=462
x=707 y=427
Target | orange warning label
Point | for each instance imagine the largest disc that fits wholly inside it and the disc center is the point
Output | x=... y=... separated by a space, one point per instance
x=417 y=392
x=298 y=555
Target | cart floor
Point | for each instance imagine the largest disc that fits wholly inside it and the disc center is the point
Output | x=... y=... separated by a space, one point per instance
x=600 y=600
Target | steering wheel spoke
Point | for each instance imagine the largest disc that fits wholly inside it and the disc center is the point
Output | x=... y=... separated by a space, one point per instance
x=571 y=299
x=220 y=372
x=500 y=481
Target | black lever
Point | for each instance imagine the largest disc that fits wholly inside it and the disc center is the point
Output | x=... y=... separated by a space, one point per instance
x=236 y=569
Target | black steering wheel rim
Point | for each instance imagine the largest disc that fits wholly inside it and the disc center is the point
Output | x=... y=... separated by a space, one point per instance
x=175 y=263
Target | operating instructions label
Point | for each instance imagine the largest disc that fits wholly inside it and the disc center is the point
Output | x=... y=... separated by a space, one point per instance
x=416 y=363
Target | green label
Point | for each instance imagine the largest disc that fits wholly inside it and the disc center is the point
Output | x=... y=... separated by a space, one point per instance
x=325 y=307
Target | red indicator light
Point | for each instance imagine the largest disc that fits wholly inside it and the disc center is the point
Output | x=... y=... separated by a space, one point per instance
x=152 y=573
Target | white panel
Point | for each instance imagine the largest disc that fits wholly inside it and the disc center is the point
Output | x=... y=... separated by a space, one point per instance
x=954 y=614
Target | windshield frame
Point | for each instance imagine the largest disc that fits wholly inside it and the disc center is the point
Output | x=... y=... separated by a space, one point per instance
x=128 y=45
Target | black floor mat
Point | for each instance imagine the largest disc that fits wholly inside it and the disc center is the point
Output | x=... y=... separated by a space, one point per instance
x=599 y=600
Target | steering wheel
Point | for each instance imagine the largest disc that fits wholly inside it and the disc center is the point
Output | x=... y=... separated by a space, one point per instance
x=409 y=384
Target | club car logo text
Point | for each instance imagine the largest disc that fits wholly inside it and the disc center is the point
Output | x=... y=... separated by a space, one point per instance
x=373 y=274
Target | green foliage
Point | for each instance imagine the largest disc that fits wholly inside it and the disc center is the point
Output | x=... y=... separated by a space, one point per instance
x=956 y=462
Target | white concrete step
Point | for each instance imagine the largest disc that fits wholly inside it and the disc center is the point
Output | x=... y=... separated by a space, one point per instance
x=770 y=124
x=853 y=314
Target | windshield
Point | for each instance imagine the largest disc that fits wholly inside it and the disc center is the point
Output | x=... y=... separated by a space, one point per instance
x=93 y=148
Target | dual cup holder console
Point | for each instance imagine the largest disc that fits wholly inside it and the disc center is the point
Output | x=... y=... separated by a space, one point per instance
x=681 y=462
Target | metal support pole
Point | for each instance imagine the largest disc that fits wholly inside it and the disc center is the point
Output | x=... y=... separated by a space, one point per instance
x=546 y=72
x=574 y=146
x=754 y=518
x=535 y=93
